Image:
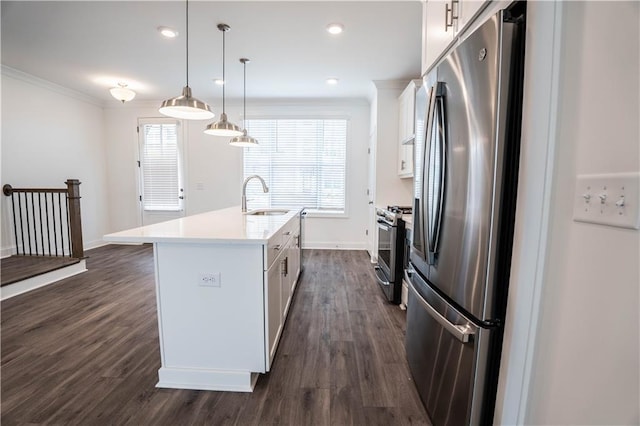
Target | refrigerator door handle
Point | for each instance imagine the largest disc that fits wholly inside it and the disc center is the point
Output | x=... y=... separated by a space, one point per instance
x=436 y=173
x=461 y=332
x=419 y=242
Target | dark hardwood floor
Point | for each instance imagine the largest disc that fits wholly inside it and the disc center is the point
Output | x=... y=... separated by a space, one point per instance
x=85 y=351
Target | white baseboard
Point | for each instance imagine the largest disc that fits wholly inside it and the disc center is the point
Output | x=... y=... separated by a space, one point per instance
x=10 y=251
x=205 y=379
x=333 y=246
x=29 y=284
x=95 y=244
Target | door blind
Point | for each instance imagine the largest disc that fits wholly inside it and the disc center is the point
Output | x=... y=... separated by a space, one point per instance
x=160 y=158
x=302 y=160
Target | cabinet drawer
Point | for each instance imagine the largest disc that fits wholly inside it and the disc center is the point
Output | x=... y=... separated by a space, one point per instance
x=274 y=248
x=289 y=230
x=278 y=242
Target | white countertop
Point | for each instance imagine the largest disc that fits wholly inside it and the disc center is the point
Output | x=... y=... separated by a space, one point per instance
x=228 y=225
x=408 y=220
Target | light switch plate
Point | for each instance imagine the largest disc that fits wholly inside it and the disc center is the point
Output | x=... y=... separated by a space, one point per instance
x=608 y=199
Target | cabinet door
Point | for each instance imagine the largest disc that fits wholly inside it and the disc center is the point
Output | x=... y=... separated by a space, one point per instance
x=294 y=259
x=437 y=35
x=405 y=160
x=468 y=9
x=273 y=314
x=406 y=135
x=285 y=282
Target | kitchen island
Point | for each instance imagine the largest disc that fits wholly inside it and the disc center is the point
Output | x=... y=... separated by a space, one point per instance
x=224 y=283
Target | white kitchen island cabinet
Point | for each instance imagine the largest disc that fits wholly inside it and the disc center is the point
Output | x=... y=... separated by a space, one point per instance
x=224 y=283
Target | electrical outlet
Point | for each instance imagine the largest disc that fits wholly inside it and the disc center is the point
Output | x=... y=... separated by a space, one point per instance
x=209 y=279
x=608 y=199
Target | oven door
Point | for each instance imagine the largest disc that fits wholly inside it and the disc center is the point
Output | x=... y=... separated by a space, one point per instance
x=386 y=250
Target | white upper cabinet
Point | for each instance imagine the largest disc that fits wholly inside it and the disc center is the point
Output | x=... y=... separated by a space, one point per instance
x=437 y=33
x=442 y=22
x=406 y=128
x=468 y=9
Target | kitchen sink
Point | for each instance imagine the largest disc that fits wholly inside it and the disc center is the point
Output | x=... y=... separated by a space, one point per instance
x=267 y=212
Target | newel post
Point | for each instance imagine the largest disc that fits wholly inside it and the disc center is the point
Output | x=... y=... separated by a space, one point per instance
x=75 y=222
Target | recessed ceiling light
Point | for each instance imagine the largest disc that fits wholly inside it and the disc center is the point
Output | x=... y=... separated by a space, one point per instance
x=332 y=81
x=335 y=28
x=218 y=81
x=168 y=32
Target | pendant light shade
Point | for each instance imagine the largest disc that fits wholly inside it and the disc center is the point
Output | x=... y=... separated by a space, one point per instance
x=244 y=140
x=223 y=127
x=186 y=106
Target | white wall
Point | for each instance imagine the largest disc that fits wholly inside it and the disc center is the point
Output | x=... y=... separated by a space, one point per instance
x=389 y=188
x=209 y=161
x=50 y=134
x=218 y=166
x=586 y=364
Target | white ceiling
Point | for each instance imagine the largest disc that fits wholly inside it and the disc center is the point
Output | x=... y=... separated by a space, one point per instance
x=89 y=46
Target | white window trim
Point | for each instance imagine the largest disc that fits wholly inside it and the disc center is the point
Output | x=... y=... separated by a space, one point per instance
x=320 y=116
x=182 y=172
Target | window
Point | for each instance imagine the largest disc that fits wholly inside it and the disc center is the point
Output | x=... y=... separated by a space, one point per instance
x=303 y=162
x=160 y=168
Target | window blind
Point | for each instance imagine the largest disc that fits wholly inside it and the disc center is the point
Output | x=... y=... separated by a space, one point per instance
x=302 y=160
x=160 y=166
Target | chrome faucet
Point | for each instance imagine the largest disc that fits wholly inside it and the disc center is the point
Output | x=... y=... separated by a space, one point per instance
x=265 y=188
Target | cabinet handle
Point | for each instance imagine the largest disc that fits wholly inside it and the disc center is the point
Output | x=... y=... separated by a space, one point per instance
x=449 y=12
x=287 y=233
x=402 y=164
x=278 y=247
x=285 y=266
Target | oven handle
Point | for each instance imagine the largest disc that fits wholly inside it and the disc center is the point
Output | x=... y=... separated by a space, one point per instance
x=461 y=332
x=379 y=272
x=384 y=225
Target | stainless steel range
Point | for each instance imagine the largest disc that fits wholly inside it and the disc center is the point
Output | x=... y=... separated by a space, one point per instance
x=391 y=238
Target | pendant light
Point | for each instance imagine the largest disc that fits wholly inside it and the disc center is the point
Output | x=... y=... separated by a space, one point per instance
x=186 y=106
x=223 y=127
x=244 y=140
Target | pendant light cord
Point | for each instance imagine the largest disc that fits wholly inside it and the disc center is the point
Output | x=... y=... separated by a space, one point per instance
x=244 y=94
x=187 y=13
x=224 y=80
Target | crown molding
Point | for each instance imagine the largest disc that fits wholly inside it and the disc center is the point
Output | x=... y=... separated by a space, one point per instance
x=46 y=84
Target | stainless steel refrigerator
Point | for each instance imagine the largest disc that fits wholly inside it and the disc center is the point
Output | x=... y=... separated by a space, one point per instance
x=464 y=206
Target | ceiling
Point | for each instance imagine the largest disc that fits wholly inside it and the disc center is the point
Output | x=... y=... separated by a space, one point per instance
x=90 y=46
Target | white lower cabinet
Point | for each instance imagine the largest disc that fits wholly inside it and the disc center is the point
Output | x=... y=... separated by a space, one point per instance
x=280 y=281
x=295 y=259
x=273 y=314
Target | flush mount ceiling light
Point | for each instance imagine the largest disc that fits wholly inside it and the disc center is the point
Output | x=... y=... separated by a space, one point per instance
x=244 y=140
x=335 y=28
x=219 y=81
x=122 y=93
x=168 y=32
x=223 y=127
x=332 y=81
x=186 y=106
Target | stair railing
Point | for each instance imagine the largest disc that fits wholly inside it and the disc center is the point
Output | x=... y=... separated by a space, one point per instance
x=46 y=221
